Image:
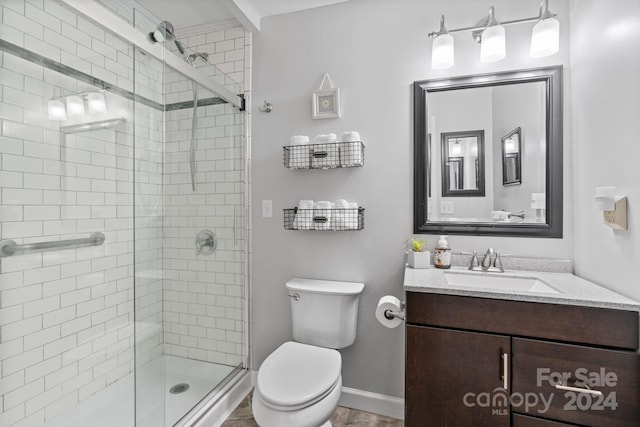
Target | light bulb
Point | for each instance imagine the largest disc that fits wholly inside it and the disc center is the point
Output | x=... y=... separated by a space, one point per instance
x=56 y=110
x=545 y=38
x=493 y=45
x=97 y=103
x=75 y=105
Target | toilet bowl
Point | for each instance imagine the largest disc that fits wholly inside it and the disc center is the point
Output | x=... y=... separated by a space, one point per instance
x=299 y=384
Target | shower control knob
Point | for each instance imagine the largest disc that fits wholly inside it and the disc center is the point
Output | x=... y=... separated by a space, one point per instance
x=205 y=242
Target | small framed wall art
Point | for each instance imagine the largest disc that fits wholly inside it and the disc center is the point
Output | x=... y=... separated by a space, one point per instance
x=326 y=100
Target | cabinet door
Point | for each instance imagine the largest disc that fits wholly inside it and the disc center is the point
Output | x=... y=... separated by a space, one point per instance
x=576 y=384
x=455 y=378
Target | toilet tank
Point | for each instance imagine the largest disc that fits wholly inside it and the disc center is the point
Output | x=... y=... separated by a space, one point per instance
x=324 y=312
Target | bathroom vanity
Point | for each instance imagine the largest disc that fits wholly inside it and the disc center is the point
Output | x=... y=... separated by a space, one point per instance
x=523 y=349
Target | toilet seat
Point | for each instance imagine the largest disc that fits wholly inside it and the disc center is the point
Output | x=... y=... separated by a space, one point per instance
x=298 y=375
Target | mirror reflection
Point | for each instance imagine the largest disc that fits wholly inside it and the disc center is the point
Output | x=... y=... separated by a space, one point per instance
x=500 y=149
x=463 y=164
x=511 y=159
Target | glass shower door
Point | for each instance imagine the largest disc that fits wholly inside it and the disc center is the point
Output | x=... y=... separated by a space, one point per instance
x=189 y=305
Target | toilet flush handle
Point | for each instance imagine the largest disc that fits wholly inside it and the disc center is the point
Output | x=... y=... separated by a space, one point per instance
x=295 y=296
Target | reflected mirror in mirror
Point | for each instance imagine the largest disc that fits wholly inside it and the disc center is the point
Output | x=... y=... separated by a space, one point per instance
x=511 y=158
x=494 y=188
x=463 y=164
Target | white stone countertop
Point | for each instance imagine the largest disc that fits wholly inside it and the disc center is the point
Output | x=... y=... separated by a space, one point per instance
x=571 y=289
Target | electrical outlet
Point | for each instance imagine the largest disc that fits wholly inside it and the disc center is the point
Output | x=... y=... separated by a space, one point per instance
x=267 y=208
x=446 y=208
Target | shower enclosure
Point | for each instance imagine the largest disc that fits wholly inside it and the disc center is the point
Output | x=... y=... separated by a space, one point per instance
x=101 y=136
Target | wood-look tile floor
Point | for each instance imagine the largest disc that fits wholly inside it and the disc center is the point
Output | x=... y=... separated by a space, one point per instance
x=242 y=416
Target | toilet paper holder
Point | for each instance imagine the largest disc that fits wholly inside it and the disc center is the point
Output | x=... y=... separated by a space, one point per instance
x=391 y=314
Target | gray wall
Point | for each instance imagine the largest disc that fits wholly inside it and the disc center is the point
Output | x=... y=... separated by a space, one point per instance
x=606 y=100
x=373 y=50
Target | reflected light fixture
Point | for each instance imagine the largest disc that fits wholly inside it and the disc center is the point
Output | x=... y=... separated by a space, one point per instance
x=96 y=102
x=75 y=105
x=456 y=149
x=56 y=110
x=545 y=37
x=509 y=145
x=442 y=51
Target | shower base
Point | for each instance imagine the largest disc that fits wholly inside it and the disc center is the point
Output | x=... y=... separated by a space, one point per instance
x=114 y=406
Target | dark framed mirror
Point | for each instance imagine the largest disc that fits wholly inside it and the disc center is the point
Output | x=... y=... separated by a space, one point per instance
x=462 y=164
x=498 y=104
x=512 y=157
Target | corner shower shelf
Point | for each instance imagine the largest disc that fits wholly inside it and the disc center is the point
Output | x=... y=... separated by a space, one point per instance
x=324 y=156
x=351 y=219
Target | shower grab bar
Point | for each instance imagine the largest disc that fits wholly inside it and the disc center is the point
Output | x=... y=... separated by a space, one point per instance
x=9 y=247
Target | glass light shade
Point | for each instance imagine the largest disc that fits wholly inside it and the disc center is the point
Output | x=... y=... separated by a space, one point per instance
x=75 y=105
x=493 y=45
x=97 y=103
x=456 y=150
x=442 y=52
x=56 y=110
x=545 y=38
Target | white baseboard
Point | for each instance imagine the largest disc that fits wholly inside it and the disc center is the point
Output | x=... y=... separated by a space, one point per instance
x=381 y=404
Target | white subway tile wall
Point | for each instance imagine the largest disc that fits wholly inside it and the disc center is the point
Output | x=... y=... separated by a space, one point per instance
x=203 y=299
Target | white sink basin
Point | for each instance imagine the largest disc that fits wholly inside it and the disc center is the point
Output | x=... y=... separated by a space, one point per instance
x=499 y=283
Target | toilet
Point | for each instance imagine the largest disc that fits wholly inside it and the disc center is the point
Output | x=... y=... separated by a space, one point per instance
x=299 y=384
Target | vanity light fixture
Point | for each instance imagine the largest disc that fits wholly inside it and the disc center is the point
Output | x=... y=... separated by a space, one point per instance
x=442 y=51
x=492 y=42
x=490 y=33
x=545 y=36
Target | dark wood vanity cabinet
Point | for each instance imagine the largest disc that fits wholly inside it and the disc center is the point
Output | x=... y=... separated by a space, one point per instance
x=458 y=350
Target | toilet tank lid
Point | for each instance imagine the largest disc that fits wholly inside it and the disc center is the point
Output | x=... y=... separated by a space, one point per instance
x=324 y=286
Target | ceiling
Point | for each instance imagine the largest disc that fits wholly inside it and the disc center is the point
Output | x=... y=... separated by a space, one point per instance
x=187 y=13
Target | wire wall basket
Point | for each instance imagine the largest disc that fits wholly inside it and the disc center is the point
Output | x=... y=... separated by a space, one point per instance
x=348 y=219
x=324 y=156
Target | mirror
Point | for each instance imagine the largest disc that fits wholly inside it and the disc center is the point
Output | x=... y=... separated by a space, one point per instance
x=511 y=162
x=514 y=120
x=463 y=164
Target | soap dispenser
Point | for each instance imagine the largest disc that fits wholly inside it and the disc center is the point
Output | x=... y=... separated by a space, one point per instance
x=442 y=256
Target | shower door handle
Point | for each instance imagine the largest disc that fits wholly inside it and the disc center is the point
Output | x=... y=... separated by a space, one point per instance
x=235 y=225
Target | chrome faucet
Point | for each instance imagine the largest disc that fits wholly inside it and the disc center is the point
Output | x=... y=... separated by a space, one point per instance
x=486 y=261
x=517 y=214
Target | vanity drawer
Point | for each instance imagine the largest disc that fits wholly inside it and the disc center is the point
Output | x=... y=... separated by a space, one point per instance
x=569 y=323
x=537 y=364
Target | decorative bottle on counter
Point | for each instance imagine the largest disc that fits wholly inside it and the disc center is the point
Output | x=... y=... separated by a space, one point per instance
x=442 y=255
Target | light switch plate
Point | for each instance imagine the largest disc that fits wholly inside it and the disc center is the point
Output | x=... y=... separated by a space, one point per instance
x=446 y=208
